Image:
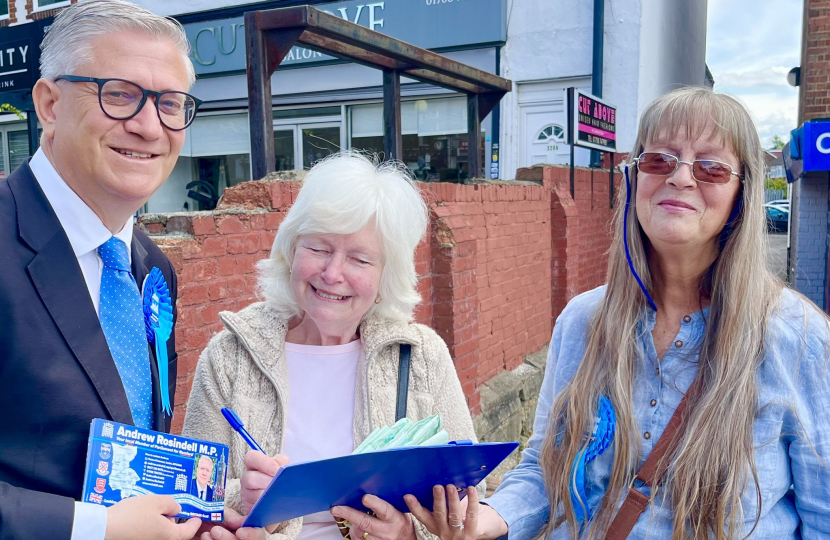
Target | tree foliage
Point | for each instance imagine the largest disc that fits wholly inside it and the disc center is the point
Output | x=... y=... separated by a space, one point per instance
x=776 y=183
x=5 y=107
x=778 y=142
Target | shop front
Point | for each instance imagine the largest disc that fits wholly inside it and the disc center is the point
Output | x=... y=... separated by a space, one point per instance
x=807 y=162
x=322 y=105
x=19 y=60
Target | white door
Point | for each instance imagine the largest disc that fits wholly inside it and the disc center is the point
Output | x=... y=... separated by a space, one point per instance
x=543 y=133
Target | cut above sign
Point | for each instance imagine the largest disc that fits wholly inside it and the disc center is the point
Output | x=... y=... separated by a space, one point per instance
x=592 y=122
x=219 y=46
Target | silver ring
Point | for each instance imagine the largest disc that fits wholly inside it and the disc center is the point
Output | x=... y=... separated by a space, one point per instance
x=460 y=526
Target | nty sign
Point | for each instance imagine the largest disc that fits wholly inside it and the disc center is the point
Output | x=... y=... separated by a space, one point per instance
x=15 y=65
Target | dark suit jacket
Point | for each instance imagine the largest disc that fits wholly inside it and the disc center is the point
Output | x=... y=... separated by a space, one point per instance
x=194 y=490
x=56 y=371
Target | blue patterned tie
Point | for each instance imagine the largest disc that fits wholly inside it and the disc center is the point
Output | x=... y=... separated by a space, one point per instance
x=121 y=319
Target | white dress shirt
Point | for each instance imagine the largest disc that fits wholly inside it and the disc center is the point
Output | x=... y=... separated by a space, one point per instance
x=86 y=232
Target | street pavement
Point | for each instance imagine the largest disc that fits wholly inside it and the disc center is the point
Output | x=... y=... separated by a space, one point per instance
x=777 y=254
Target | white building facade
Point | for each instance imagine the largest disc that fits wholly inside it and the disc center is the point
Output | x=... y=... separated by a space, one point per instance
x=322 y=105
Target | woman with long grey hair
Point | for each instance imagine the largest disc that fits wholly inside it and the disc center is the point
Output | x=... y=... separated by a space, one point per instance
x=688 y=397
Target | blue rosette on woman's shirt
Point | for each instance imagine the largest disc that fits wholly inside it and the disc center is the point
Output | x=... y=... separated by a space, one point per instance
x=158 y=321
x=601 y=438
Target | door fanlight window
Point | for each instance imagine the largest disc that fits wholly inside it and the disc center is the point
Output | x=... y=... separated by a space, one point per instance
x=552 y=133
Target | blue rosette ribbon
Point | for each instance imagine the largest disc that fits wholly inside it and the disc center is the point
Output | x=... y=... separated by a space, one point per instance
x=601 y=438
x=158 y=321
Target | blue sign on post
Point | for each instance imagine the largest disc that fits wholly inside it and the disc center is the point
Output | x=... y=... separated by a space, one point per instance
x=815 y=146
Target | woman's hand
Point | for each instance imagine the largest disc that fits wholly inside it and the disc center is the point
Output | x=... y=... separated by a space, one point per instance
x=454 y=519
x=388 y=525
x=259 y=471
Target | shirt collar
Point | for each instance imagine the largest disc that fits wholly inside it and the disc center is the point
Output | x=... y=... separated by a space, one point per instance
x=698 y=320
x=83 y=227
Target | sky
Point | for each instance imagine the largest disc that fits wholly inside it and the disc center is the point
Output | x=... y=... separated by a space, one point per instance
x=750 y=47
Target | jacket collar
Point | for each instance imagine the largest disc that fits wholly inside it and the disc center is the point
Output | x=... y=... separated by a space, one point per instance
x=138 y=256
x=263 y=331
x=56 y=276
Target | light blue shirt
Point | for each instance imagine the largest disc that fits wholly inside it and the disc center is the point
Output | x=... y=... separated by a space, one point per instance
x=794 y=397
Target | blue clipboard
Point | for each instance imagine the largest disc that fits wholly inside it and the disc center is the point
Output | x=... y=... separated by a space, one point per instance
x=316 y=486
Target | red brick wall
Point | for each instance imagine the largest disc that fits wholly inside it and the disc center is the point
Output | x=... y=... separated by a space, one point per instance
x=499 y=263
x=814 y=99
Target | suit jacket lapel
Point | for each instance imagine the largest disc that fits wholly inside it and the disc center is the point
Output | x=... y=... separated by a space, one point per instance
x=140 y=270
x=57 y=277
x=139 y=263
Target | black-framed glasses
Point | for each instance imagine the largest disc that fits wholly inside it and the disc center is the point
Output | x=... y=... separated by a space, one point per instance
x=121 y=100
x=708 y=171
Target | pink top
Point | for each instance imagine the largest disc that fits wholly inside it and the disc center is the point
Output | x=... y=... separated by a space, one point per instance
x=321 y=390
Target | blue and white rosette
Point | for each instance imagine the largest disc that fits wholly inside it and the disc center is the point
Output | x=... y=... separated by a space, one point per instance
x=601 y=438
x=158 y=321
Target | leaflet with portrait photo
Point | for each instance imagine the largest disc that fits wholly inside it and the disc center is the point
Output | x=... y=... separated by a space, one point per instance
x=125 y=461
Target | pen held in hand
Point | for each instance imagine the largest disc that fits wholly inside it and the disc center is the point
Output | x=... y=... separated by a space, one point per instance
x=239 y=427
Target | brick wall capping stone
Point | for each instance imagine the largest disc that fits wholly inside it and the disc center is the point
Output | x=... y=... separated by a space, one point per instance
x=499 y=182
x=181 y=223
x=296 y=175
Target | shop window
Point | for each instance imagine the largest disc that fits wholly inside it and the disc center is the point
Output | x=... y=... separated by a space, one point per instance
x=4 y=9
x=18 y=149
x=319 y=142
x=14 y=146
x=300 y=146
x=308 y=112
x=212 y=175
x=434 y=132
x=552 y=133
x=215 y=156
x=284 y=149
x=48 y=4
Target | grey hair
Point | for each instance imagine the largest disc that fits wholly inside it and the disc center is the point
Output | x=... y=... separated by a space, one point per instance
x=68 y=43
x=341 y=194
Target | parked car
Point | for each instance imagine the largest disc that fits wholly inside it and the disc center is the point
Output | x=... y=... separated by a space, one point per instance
x=777 y=216
x=781 y=202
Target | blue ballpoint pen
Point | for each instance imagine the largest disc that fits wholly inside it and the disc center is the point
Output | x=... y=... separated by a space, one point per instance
x=239 y=427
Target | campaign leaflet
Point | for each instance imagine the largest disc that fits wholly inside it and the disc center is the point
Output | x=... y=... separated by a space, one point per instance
x=125 y=461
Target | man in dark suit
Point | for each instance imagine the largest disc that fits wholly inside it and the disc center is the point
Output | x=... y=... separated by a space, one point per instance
x=201 y=488
x=73 y=343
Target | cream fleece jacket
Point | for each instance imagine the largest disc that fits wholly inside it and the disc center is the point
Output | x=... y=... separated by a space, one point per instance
x=244 y=368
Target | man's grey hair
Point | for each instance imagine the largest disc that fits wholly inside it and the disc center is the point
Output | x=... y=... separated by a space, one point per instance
x=341 y=195
x=68 y=43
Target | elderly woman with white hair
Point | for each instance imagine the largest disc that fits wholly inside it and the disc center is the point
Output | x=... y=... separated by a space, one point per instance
x=313 y=369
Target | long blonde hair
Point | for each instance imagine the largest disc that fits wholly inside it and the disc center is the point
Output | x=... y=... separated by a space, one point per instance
x=712 y=467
